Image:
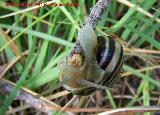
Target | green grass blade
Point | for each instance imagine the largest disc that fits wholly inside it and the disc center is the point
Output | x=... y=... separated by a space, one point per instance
x=110 y=97
x=140 y=75
x=19 y=84
x=39 y=35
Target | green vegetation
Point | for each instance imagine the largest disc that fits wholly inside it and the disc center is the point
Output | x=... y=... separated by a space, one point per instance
x=42 y=36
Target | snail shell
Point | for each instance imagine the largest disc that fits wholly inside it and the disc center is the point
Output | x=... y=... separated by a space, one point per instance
x=97 y=60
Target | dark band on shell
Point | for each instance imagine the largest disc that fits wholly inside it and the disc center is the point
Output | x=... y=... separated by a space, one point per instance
x=99 y=61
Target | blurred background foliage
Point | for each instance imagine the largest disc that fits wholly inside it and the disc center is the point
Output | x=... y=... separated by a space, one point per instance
x=32 y=41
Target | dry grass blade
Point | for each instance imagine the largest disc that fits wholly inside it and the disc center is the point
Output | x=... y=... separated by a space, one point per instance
x=27 y=9
x=128 y=3
x=12 y=111
x=132 y=23
x=12 y=46
x=2 y=68
x=143 y=51
x=41 y=103
x=74 y=97
x=28 y=96
x=57 y=95
x=142 y=70
x=131 y=110
x=11 y=63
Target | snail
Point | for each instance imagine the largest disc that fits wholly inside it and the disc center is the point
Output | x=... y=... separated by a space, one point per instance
x=94 y=63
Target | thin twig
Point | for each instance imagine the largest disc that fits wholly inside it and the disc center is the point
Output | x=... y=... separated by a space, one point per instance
x=41 y=103
x=96 y=12
x=45 y=105
x=29 y=97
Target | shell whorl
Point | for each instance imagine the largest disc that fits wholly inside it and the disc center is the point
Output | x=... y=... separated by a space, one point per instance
x=93 y=59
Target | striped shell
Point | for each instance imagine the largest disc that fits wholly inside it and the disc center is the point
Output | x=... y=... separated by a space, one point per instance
x=97 y=60
x=109 y=58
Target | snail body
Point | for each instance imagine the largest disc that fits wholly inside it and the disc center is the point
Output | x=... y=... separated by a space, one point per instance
x=93 y=63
